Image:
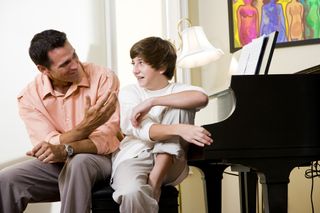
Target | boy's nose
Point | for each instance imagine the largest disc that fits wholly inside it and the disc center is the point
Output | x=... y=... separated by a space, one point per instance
x=135 y=70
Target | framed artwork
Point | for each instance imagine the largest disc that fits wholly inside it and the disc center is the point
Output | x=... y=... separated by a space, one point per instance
x=297 y=21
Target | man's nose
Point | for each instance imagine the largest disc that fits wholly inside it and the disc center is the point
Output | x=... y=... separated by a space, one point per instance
x=74 y=63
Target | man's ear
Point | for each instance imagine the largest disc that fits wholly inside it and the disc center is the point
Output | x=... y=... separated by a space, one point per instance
x=43 y=69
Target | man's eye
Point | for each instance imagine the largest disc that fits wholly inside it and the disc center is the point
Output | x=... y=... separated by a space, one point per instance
x=64 y=64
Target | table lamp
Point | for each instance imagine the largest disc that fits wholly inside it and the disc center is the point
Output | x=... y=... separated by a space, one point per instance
x=195 y=50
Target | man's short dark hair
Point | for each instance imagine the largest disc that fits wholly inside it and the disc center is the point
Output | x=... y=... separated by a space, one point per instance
x=158 y=53
x=42 y=43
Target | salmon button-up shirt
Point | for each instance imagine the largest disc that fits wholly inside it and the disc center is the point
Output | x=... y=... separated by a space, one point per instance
x=48 y=114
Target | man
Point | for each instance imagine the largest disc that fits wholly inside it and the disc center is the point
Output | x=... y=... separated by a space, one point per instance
x=71 y=113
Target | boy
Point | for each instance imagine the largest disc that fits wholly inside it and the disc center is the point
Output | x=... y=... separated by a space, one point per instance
x=157 y=119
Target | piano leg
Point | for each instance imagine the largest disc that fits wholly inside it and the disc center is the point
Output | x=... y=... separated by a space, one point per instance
x=248 y=191
x=275 y=197
x=248 y=180
x=213 y=176
x=274 y=177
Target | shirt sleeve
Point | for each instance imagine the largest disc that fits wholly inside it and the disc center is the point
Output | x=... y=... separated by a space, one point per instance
x=38 y=126
x=105 y=136
x=178 y=87
x=129 y=98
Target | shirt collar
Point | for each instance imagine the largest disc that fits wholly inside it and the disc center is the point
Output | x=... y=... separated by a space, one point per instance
x=48 y=90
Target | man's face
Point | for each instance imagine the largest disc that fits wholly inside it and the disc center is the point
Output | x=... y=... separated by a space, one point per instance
x=65 y=66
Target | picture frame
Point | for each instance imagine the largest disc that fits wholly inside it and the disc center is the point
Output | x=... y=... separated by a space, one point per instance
x=297 y=22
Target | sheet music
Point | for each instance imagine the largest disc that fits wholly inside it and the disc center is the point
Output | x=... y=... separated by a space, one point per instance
x=251 y=56
x=268 y=53
x=243 y=60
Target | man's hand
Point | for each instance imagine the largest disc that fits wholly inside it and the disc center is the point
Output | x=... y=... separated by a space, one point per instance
x=48 y=153
x=139 y=112
x=194 y=134
x=98 y=114
x=94 y=116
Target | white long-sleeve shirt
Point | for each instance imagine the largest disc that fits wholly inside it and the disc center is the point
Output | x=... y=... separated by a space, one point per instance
x=138 y=139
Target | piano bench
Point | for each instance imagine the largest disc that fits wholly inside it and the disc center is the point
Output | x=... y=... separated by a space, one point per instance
x=102 y=201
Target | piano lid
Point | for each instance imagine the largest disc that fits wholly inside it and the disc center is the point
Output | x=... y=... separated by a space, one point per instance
x=273 y=112
x=311 y=70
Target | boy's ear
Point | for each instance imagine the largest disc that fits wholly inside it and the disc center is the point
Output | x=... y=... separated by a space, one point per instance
x=163 y=70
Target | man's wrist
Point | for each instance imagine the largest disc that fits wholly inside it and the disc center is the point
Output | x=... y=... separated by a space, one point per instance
x=73 y=135
x=82 y=131
x=69 y=150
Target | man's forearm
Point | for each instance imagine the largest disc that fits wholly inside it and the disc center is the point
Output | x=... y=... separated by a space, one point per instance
x=84 y=146
x=50 y=153
x=76 y=134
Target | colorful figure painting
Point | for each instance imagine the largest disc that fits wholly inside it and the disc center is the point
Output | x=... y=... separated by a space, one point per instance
x=297 y=21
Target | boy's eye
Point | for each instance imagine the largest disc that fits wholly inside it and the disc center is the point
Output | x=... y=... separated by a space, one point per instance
x=138 y=62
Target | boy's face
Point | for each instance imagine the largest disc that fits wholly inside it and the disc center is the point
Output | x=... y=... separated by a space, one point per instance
x=147 y=76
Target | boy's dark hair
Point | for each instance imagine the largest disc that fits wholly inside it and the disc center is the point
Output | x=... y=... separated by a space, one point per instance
x=157 y=52
x=42 y=43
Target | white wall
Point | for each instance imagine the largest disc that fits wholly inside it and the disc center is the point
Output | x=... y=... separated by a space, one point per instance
x=134 y=22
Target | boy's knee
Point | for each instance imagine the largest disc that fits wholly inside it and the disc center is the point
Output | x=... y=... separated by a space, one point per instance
x=136 y=199
x=174 y=115
x=132 y=193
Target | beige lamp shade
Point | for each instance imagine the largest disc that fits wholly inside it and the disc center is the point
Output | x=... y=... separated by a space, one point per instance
x=196 y=49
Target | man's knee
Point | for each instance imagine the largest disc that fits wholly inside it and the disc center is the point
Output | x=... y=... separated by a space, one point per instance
x=8 y=176
x=87 y=165
x=84 y=160
x=78 y=160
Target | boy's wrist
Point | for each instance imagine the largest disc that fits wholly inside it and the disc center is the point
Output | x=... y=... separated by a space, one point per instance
x=152 y=102
x=175 y=128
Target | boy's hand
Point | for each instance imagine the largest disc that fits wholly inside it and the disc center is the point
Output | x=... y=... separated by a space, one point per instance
x=139 y=112
x=195 y=134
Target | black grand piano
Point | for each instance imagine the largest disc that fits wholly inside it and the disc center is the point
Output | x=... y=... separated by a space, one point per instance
x=275 y=126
